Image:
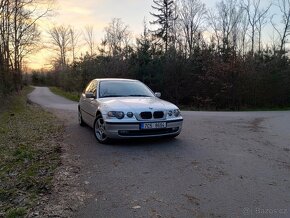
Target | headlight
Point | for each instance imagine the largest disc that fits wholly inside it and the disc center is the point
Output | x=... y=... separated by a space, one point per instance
x=170 y=113
x=118 y=114
x=176 y=112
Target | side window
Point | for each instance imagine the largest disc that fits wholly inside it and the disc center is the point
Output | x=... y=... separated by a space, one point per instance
x=92 y=88
x=87 y=88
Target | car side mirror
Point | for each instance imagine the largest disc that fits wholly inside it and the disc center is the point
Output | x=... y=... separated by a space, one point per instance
x=90 y=95
x=158 y=94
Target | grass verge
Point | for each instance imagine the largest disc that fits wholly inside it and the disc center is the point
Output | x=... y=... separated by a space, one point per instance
x=74 y=96
x=29 y=154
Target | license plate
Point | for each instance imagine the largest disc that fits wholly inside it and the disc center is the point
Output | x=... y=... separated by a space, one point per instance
x=160 y=125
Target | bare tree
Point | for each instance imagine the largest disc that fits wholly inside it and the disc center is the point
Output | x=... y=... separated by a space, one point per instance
x=256 y=17
x=212 y=20
x=5 y=32
x=284 y=32
x=61 y=40
x=117 y=37
x=190 y=16
x=19 y=32
x=225 y=22
x=244 y=27
x=74 y=39
x=89 y=38
x=2 y=48
x=25 y=32
x=260 y=24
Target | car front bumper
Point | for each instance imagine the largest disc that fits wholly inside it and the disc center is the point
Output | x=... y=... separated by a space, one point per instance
x=117 y=130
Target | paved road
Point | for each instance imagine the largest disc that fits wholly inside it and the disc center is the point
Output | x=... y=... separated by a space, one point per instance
x=231 y=164
x=45 y=98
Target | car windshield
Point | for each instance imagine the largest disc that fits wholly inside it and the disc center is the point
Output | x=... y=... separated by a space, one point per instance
x=123 y=89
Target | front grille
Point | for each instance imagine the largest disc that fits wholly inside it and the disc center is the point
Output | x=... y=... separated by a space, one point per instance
x=147 y=132
x=158 y=114
x=146 y=115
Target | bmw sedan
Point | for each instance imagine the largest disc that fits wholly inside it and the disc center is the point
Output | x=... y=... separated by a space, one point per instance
x=123 y=108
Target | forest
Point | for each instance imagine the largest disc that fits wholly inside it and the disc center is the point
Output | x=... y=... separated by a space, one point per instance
x=200 y=58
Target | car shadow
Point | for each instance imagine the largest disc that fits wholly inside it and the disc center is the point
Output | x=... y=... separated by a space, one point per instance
x=141 y=143
x=145 y=142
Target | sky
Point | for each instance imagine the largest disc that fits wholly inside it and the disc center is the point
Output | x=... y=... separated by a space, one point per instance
x=98 y=13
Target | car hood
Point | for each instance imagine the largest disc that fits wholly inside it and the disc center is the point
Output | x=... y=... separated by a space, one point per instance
x=135 y=104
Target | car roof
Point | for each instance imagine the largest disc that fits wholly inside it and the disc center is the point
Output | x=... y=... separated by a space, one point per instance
x=115 y=79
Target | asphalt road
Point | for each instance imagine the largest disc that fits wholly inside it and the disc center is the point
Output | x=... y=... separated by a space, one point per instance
x=224 y=164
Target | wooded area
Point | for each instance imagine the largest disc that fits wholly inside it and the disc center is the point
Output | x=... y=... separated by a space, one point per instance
x=208 y=59
x=19 y=36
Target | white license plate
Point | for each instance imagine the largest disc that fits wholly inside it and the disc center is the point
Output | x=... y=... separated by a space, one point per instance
x=160 y=125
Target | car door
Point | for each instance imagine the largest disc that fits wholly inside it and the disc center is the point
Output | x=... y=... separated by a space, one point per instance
x=85 y=104
x=89 y=104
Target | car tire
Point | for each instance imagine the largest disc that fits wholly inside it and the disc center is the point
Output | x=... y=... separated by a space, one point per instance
x=80 y=118
x=99 y=130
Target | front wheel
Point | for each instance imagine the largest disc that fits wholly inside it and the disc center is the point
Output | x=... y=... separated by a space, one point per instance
x=172 y=136
x=80 y=118
x=100 y=130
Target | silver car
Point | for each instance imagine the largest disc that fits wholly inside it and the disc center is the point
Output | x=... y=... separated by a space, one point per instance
x=123 y=108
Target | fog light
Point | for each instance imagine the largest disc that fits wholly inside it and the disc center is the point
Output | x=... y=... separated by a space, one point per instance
x=175 y=129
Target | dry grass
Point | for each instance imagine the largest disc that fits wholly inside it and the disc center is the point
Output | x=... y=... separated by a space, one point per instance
x=29 y=154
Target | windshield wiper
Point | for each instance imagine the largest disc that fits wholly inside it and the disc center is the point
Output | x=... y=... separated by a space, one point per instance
x=110 y=96
x=139 y=95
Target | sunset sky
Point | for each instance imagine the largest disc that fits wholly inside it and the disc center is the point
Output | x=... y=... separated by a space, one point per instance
x=98 y=13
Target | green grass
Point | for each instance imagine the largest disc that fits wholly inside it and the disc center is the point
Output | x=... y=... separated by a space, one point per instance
x=29 y=154
x=74 y=96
